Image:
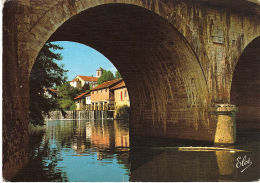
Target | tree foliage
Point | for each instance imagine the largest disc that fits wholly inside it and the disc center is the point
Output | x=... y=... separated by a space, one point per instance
x=85 y=88
x=46 y=73
x=66 y=96
x=105 y=76
x=117 y=75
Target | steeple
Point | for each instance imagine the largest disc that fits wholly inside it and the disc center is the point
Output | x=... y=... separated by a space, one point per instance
x=99 y=71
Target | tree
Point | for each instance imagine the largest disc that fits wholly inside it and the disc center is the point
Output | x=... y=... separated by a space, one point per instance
x=46 y=73
x=105 y=76
x=117 y=75
x=85 y=88
x=66 y=96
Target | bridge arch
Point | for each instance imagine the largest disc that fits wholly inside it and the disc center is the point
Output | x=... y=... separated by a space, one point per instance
x=43 y=26
x=166 y=84
x=245 y=88
x=184 y=39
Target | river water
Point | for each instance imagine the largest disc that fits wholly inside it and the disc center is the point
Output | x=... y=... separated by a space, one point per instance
x=86 y=151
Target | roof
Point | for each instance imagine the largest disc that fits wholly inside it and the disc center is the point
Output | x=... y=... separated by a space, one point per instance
x=107 y=84
x=50 y=89
x=119 y=85
x=82 y=95
x=100 y=69
x=75 y=79
x=85 y=78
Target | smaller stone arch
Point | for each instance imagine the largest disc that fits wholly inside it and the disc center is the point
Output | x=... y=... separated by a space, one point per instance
x=245 y=88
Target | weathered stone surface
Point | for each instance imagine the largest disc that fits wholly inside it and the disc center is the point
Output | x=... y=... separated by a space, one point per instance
x=177 y=58
x=225 y=124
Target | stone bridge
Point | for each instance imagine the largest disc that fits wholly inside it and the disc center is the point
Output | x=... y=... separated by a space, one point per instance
x=185 y=62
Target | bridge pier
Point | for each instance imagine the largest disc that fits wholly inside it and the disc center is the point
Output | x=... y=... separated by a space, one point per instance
x=226 y=123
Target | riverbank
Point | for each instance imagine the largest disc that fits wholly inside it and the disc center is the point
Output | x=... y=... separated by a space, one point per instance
x=78 y=115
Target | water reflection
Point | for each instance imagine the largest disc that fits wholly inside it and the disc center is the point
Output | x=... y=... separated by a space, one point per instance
x=43 y=161
x=100 y=151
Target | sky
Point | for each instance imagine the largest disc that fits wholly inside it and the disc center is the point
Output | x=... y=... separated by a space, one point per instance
x=83 y=60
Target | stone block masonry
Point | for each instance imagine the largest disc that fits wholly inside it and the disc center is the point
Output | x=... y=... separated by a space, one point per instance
x=177 y=59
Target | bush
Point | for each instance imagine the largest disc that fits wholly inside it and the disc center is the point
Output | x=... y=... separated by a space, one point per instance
x=73 y=107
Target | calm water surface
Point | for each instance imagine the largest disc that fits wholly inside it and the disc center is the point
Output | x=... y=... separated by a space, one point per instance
x=86 y=151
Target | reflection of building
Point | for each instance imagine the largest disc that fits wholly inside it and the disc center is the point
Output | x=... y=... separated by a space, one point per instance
x=102 y=98
x=83 y=101
x=121 y=135
x=80 y=81
x=79 y=143
x=100 y=136
x=121 y=95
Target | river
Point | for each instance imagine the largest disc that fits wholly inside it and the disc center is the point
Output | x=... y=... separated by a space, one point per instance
x=96 y=151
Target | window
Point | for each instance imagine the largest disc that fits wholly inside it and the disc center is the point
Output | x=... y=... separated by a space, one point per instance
x=121 y=95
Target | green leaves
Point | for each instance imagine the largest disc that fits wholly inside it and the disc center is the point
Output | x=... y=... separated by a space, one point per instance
x=106 y=76
x=85 y=88
x=117 y=75
x=46 y=73
x=66 y=96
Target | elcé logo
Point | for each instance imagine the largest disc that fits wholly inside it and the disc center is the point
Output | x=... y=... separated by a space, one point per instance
x=243 y=162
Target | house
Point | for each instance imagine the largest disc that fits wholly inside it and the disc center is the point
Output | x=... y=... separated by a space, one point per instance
x=102 y=98
x=83 y=101
x=121 y=97
x=79 y=81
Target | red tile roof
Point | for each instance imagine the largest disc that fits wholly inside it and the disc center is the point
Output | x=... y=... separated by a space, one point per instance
x=81 y=95
x=86 y=78
x=89 y=78
x=119 y=85
x=53 y=90
x=50 y=89
x=75 y=79
x=107 y=84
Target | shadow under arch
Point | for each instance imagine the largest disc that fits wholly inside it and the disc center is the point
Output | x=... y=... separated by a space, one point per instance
x=245 y=88
x=166 y=84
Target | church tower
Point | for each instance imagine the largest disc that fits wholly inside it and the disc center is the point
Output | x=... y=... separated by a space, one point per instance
x=99 y=72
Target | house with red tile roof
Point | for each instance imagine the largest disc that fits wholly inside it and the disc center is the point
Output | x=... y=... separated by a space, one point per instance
x=121 y=97
x=83 y=101
x=79 y=81
x=102 y=98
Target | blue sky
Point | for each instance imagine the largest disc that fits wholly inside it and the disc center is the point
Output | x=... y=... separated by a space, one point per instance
x=80 y=59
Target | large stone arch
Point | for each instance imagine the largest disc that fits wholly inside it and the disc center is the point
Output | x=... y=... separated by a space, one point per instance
x=40 y=28
x=213 y=36
x=161 y=71
x=27 y=26
x=209 y=32
x=192 y=87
